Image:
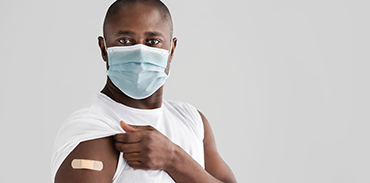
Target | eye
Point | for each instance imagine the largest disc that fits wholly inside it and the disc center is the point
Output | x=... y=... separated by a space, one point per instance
x=125 y=41
x=153 y=42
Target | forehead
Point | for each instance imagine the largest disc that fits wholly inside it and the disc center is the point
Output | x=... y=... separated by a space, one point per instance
x=138 y=18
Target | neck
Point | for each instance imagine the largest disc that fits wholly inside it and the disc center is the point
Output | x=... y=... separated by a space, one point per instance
x=152 y=102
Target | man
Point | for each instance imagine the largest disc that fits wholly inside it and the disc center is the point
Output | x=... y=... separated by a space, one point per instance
x=165 y=141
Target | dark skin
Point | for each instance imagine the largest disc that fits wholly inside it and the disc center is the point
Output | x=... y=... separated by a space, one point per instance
x=144 y=147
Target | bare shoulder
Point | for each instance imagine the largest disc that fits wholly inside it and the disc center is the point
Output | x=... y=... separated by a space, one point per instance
x=101 y=149
x=214 y=164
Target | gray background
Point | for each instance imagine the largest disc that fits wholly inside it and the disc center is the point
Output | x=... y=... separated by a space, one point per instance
x=283 y=83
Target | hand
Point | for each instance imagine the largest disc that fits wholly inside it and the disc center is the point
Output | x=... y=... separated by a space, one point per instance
x=144 y=147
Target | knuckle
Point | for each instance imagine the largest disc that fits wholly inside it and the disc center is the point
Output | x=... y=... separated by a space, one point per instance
x=150 y=136
x=149 y=149
x=149 y=139
x=149 y=157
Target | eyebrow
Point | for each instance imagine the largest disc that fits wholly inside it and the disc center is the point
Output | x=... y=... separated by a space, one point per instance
x=131 y=33
x=153 y=34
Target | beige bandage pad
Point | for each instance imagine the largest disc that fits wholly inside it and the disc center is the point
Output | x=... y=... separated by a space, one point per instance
x=87 y=164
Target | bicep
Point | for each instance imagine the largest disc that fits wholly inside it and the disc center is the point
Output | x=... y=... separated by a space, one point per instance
x=214 y=164
x=99 y=150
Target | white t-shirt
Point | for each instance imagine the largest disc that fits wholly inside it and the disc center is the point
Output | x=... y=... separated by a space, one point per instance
x=180 y=122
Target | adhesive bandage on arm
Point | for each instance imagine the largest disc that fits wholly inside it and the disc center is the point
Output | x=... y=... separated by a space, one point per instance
x=87 y=164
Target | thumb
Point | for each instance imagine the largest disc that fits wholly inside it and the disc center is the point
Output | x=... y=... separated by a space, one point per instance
x=127 y=127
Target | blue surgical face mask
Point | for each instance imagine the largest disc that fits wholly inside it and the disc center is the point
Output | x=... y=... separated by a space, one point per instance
x=138 y=70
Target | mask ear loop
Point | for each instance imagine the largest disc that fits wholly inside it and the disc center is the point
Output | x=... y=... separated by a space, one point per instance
x=105 y=44
x=170 y=46
x=169 y=71
x=106 y=50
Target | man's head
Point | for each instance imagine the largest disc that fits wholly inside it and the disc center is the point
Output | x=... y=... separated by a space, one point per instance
x=115 y=9
x=130 y=22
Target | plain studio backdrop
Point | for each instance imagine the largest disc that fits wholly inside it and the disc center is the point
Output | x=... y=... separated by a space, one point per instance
x=284 y=83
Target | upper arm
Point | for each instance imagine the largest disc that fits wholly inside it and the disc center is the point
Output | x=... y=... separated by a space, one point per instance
x=214 y=164
x=98 y=149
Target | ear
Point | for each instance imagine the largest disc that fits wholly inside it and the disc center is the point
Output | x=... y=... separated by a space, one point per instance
x=101 y=45
x=174 y=43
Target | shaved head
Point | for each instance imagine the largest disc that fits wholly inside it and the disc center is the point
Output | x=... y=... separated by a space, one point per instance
x=113 y=13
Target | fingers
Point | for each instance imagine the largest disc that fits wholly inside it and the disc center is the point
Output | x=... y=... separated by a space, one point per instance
x=135 y=160
x=143 y=147
x=136 y=165
x=135 y=156
x=133 y=128
x=127 y=148
x=127 y=127
x=128 y=138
